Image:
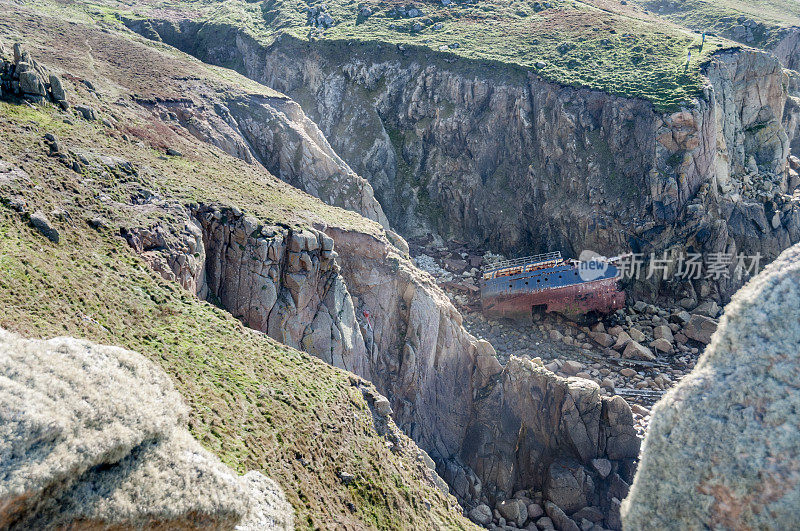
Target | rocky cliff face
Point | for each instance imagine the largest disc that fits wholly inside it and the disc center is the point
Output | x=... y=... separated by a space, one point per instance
x=274 y=131
x=500 y=157
x=492 y=431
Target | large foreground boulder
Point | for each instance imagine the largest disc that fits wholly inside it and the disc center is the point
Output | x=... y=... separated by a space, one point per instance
x=94 y=437
x=723 y=446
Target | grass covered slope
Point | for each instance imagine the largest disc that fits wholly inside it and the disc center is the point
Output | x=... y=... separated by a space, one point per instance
x=597 y=44
x=254 y=403
x=726 y=17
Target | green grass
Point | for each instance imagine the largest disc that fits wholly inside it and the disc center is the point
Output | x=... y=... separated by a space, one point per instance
x=721 y=16
x=582 y=44
x=255 y=403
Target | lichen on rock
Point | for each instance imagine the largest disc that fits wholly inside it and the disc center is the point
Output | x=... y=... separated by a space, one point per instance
x=95 y=437
x=722 y=446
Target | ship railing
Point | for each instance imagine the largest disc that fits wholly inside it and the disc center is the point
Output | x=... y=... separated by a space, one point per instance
x=535 y=259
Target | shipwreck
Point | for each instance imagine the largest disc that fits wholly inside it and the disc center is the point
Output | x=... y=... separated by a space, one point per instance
x=524 y=287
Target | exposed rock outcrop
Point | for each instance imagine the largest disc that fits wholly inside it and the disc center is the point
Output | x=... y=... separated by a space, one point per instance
x=95 y=437
x=717 y=453
x=283 y=282
x=492 y=431
x=500 y=157
x=21 y=76
x=274 y=131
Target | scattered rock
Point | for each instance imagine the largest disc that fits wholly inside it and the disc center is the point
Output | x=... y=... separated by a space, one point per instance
x=512 y=511
x=636 y=335
x=43 y=225
x=535 y=511
x=571 y=367
x=561 y=521
x=568 y=485
x=87 y=112
x=682 y=317
x=592 y=514
x=663 y=332
x=776 y=220
x=99 y=223
x=481 y=515
x=708 y=308
x=637 y=351
x=661 y=345
x=603 y=339
x=382 y=406
x=622 y=340
x=346 y=478
x=700 y=328
x=602 y=466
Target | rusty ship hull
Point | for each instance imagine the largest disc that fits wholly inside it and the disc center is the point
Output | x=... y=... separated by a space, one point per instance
x=553 y=285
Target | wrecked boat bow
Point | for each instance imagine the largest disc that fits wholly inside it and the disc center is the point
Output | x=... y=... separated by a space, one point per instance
x=544 y=283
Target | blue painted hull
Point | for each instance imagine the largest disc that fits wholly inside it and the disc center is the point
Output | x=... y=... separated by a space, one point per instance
x=559 y=288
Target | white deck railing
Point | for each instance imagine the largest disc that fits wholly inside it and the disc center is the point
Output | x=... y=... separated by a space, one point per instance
x=535 y=259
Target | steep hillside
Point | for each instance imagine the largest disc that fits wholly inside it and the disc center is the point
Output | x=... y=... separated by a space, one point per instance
x=505 y=159
x=771 y=24
x=157 y=150
x=255 y=403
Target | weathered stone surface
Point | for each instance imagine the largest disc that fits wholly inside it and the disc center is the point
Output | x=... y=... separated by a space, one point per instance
x=661 y=345
x=603 y=467
x=535 y=511
x=87 y=112
x=622 y=441
x=57 y=88
x=561 y=521
x=42 y=224
x=281 y=285
x=511 y=510
x=638 y=352
x=719 y=450
x=663 y=332
x=603 y=339
x=636 y=335
x=269 y=508
x=568 y=485
x=174 y=251
x=622 y=340
x=96 y=436
x=481 y=514
x=292 y=147
x=700 y=328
